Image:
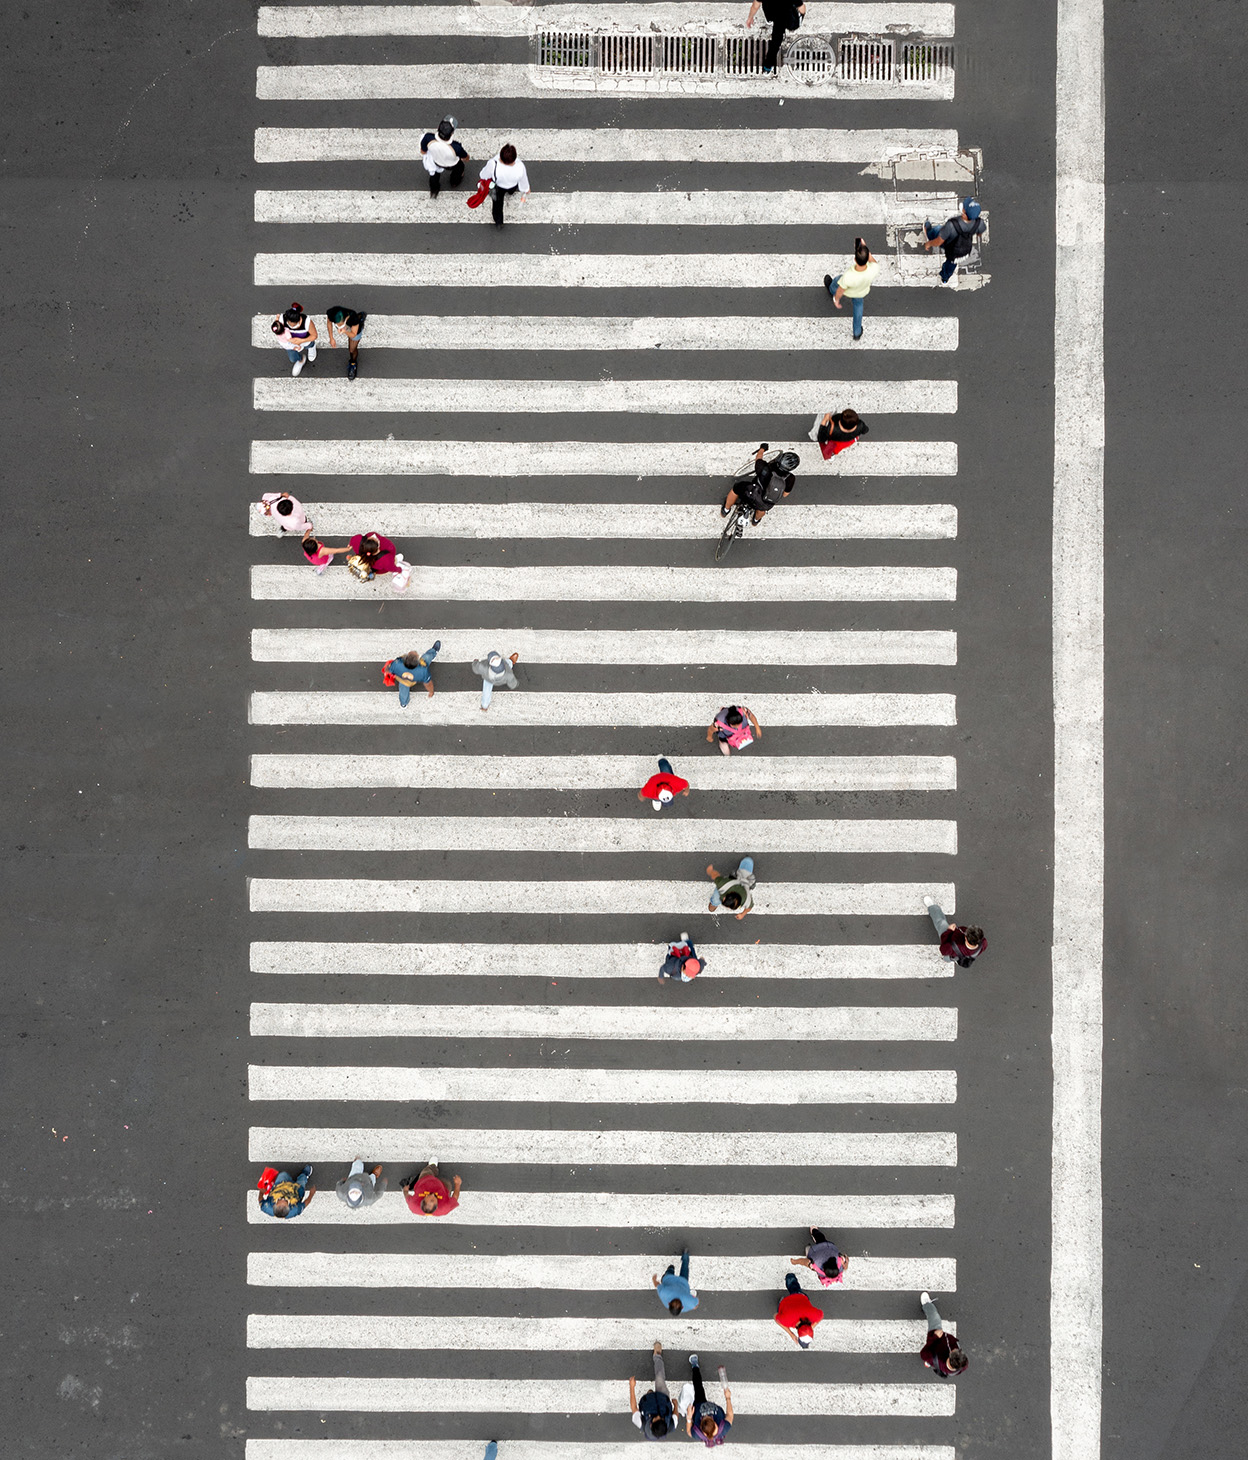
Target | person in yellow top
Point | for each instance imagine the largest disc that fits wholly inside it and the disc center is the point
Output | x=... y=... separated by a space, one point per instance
x=854 y=284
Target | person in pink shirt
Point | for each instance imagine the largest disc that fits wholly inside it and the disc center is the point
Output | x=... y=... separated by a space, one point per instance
x=286 y=511
x=317 y=553
x=427 y=1196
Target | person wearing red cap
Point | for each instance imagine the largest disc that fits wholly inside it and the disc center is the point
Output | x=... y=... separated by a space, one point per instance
x=664 y=787
x=682 y=961
x=796 y=1314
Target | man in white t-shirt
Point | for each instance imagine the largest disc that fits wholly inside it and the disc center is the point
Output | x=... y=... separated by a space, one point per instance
x=441 y=154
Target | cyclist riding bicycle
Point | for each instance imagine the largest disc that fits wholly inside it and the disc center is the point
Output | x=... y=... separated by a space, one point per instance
x=771 y=483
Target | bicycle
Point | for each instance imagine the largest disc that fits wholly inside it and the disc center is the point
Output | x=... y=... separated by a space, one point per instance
x=741 y=512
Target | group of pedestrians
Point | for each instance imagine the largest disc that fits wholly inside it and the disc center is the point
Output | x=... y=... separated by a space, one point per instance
x=285 y=1196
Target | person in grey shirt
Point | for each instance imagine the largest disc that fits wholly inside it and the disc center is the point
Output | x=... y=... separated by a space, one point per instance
x=492 y=670
x=360 y=1188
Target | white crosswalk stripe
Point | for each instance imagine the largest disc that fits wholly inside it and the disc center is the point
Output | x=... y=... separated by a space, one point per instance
x=589 y=960
x=624 y=332
x=289 y=1448
x=649 y=1140
x=518 y=708
x=586 y=458
x=612 y=144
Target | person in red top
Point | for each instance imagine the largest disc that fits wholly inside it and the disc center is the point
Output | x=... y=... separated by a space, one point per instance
x=664 y=787
x=796 y=1314
x=427 y=1196
x=941 y=1352
x=963 y=945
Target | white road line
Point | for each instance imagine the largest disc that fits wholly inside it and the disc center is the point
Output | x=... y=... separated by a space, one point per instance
x=572 y=397
x=601 y=1086
x=540 y=834
x=572 y=1335
x=292 y=1449
x=722 y=271
x=601 y=772
x=649 y=1209
x=668 y=209
x=606 y=583
x=1076 y=1315
x=597 y=960
x=579 y=1396
x=545 y=332
x=758 y=146
x=588 y=458
x=595 y=1273
x=519 y=707
x=594 y=1021
x=503 y=20
x=626 y=646
x=456 y=82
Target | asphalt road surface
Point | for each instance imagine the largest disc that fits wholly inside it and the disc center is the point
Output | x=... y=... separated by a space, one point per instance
x=172 y=674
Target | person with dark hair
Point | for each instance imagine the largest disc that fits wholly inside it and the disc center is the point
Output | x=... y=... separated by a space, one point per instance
x=674 y=1291
x=956 y=237
x=412 y=669
x=941 y=1352
x=772 y=482
x=296 y=334
x=682 y=961
x=733 y=891
x=854 y=284
x=824 y=1258
x=707 y=1420
x=286 y=511
x=783 y=15
x=734 y=727
x=796 y=1314
x=838 y=431
x=378 y=555
x=441 y=154
x=351 y=323
x=319 y=554
x=427 y=1194
x=962 y=945
x=653 y=1414
x=289 y=1196
x=508 y=174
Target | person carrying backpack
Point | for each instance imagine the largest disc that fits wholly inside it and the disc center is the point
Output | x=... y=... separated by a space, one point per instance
x=957 y=237
x=653 y=1413
x=734 y=727
x=772 y=482
x=733 y=891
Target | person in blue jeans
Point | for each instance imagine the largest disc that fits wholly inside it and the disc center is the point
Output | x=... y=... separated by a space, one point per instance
x=854 y=284
x=675 y=1291
x=413 y=669
x=289 y=1196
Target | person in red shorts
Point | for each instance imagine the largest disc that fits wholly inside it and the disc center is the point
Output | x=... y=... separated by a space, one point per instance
x=664 y=787
x=797 y=1315
x=426 y=1195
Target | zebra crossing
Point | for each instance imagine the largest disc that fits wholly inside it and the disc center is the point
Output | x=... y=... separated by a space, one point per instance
x=552 y=462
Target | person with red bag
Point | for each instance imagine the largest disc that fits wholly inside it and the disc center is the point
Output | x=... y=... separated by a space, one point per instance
x=508 y=174
x=838 y=431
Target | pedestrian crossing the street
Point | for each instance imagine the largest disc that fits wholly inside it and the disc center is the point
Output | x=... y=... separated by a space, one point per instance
x=458 y=917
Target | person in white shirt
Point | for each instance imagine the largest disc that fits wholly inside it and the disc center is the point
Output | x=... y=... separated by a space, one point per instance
x=507 y=173
x=440 y=154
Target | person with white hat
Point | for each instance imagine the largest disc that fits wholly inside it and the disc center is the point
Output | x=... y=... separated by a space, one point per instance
x=441 y=154
x=956 y=237
x=662 y=789
x=360 y=1188
x=492 y=670
x=796 y=1314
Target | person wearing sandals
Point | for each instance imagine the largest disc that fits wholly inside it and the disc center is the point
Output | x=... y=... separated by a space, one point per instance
x=734 y=727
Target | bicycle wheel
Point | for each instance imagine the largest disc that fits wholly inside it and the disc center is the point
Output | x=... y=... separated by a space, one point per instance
x=733 y=528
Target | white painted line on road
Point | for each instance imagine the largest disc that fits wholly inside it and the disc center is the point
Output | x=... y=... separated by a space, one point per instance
x=597 y=960
x=559 y=1085
x=593 y=1021
x=607 y=646
x=579 y=1396
x=311 y=21
x=591 y=458
x=763 y=146
x=1076 y=1268
x=673 y=711
x=668 y=209
x=649 y=1209
x=292 y=1449
x=591 y=834
x=513 y=270
x=456 y=82
x=633 y=397
x=545 y=332
x=572 y=1335
x=608 y=583
x=562 y=1272
x=602 y=772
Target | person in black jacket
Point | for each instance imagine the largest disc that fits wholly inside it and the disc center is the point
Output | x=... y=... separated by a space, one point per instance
x=784 y=15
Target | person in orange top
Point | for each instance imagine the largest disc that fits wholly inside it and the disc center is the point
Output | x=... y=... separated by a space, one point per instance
x=426 y=1195
x=796 y=1314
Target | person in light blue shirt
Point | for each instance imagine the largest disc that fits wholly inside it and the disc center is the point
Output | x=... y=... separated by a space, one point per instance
x=675 y=1291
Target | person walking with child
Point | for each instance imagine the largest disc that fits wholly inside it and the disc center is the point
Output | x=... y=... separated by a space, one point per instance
x=296 y=334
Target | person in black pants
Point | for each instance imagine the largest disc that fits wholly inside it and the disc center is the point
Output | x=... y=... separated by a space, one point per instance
x=784 y=16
